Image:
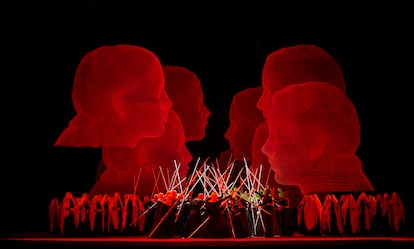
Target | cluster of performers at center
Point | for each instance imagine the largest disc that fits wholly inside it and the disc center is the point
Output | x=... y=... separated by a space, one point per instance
x=240 y=207
x=215 y=204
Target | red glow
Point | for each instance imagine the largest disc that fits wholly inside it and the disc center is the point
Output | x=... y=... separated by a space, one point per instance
x=225 y=159
x=259 y=138
x=281 y=242
x=314 y=133
x=244 y=118
x=149 y=155
x=184 y=89
x=260 y=159
x=118 y=94
x=297 y=64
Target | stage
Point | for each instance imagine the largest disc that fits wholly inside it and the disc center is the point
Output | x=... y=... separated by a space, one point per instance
x=48 y=241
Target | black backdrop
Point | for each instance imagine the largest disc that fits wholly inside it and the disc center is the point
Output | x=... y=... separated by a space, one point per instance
x=225 y=45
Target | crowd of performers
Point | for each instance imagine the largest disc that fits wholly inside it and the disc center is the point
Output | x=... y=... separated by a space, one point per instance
x=213 y=204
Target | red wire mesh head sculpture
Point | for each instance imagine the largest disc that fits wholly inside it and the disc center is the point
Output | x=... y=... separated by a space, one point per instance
x=297 y=64
x=244 y=118
x=314 y=133
x=146 y=160
x=259 y=138
x=118 y=94
x=284 y=67
x=184 y=89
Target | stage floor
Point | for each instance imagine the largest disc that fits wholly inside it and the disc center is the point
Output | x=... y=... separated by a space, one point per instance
x=49 y=241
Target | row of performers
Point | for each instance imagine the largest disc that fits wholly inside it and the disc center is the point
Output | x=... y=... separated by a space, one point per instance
x=236 y=214
x=351 y=214
x=171 y=214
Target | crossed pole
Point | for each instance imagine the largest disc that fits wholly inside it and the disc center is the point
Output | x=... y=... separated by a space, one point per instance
x=173 y=204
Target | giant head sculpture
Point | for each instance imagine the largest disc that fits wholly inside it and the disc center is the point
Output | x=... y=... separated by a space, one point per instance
x=119 y=97
x=297 y=64
x=244 y=118
x=314 y=133
x=184 y=89
x=151 y=164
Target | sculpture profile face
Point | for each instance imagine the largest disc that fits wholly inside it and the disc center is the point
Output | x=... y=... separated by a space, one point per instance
x=184 y=89
x=244 y=118
x=259 y=138
x=314 y=133
x=294 y=65
x=145 y=159
x=259 y=159
x=118 y=94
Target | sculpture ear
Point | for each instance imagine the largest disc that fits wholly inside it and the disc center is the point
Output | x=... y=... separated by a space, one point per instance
x=317 y=147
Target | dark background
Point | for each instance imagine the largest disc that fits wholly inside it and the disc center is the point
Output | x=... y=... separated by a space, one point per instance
x=226 y=46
